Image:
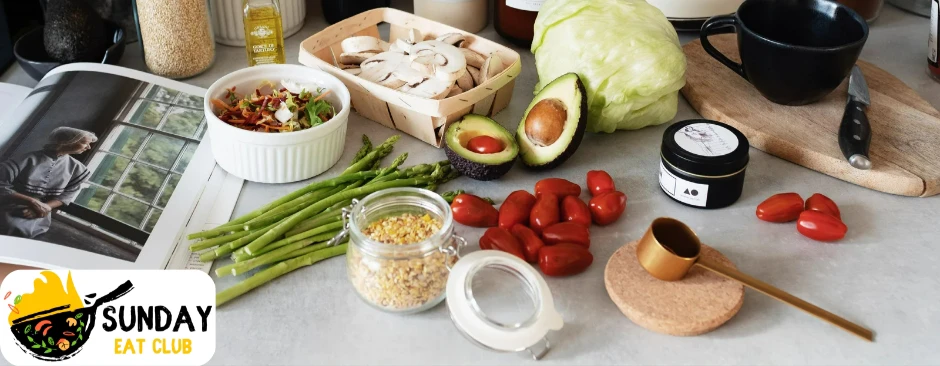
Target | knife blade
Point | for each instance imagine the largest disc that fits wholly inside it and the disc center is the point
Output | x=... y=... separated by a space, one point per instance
x=855 y=130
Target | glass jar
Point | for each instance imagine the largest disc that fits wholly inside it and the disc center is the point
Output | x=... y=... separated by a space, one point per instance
x=497 y=300
x=514 y=20
x=175 y=36
x=406 y=278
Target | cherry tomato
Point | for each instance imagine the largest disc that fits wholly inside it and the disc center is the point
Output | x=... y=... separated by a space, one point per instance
x=567 y=232
x=484 y=145
x=501 y=239
x=573 y=209
x=607 y=207
x=564 y=259
x=820 y=226
x=544 y=213
x=515 y=209
x=557 y=186
x=818 y=202
x=473 y=211
x=531 y=243
x=598 y=181
x=781 y=207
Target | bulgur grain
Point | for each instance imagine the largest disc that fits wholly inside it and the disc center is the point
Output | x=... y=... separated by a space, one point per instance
x=400 y=283
x=176 y=36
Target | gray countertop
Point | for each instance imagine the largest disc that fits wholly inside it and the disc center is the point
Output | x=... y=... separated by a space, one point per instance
x=883 y=275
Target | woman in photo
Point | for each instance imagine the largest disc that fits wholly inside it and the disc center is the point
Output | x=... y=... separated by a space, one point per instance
x=34 y=185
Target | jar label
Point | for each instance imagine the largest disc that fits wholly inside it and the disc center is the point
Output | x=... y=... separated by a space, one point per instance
x=530 y=5
x=681 y=190
x=706 y=139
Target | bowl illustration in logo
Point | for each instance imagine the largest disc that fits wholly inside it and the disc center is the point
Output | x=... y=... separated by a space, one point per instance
x=60 y=330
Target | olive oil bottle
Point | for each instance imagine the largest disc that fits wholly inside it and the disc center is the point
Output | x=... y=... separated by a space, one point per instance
x=264 y=38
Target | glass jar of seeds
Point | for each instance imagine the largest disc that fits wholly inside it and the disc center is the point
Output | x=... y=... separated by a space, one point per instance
x=175 y=36
x=402 y=245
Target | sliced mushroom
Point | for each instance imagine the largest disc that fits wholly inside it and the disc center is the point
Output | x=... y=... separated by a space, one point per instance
x=465 y=82
x=401 y=45
x=454 y=91
x=355 y=71
x=473 y=59
x=432 y=88
x=409 y=75
x=380 y=68
x=450 y=68
x=492 y=67
x=453 y=39
x=415 y=36
x=362 y=44
x=355 y=58
x=475 y=74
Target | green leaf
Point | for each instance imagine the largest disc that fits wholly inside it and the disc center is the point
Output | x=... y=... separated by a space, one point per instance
x=29 y=338
x=79 y=329
x=28 y=328
x=48 y=350
x=73 y=342
x=17 y=299
x=78 y=316
x=51 y=342
x=81 y=323
x=43 y=343
x=35 y=346
x=79 y=337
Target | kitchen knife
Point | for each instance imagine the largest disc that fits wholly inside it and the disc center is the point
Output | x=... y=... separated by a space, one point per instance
x=855 y=131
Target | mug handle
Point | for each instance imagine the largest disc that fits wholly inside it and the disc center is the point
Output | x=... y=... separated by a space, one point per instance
x=719 y=25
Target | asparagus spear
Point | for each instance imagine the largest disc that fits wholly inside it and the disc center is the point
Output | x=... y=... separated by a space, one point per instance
x=276 y=271
x=365 y=149
x=238 y=268
x=325 y=232
x=311 y=210
x=327 y=216
x=262 y=221
x=380 y=151
x=234 y=225
x=233 y=245
x=449 y=196
x=305 y=250
x=209 y=243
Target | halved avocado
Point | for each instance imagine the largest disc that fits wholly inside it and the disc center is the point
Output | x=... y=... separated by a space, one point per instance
x=471 y=163
x=553 y=125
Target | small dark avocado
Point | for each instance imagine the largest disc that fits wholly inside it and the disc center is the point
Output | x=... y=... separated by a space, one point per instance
x=553 y=124
x=471 y=163
x=74 y=32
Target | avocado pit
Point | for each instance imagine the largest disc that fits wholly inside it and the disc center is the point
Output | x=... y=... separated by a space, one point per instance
x=546 y=121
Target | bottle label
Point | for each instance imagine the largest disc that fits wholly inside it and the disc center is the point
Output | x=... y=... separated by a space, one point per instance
x=529 y=5
x=263 y=37
x=934 y=29
x=681 y=190
x=706 y=139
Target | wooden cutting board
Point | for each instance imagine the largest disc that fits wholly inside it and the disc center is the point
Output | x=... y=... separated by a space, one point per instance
x=905 y=145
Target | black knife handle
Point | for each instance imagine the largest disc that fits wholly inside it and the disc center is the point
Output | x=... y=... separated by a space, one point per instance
x=855 y=135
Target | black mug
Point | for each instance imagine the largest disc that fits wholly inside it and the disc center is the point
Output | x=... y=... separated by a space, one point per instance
x=794 y=52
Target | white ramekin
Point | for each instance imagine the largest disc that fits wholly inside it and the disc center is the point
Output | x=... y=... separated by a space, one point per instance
x=228 y=19
x=277 y=157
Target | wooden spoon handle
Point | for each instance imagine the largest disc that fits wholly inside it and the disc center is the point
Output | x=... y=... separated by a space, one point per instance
x=785 y=297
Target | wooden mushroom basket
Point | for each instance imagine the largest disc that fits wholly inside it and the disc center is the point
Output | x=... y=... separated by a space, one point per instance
x=425 y=76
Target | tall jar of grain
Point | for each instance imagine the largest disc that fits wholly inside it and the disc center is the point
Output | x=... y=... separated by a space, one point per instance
x=176 y=36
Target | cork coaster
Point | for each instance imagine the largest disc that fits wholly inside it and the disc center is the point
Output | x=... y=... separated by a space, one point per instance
x=697 y=304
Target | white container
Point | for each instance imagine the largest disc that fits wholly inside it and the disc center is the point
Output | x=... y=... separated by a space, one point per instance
x=228 y=19
x=468 y=15
x=278 y=157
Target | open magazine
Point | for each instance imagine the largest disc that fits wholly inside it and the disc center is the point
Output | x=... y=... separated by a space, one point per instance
x=103 y=167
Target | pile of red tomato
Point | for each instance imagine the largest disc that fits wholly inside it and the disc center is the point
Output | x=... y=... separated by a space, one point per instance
x=552 y=227
x=818 y=219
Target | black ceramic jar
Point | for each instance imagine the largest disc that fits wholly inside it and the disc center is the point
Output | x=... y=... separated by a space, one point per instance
x=702 y=163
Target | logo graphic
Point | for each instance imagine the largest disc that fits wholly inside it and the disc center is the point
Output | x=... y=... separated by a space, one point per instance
x=52 y=323
x=107 y=317
x=262 y=31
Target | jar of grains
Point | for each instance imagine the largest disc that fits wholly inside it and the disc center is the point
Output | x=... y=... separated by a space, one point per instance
x=175 y=36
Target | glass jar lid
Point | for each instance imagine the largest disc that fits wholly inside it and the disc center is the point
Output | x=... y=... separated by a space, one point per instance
x=500 y=302
x=704 y=147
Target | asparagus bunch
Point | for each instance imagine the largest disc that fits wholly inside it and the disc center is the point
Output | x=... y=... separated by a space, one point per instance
x=296 y=230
